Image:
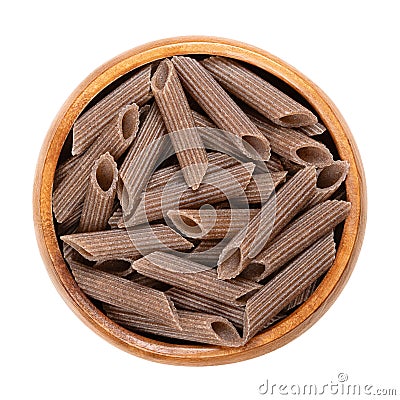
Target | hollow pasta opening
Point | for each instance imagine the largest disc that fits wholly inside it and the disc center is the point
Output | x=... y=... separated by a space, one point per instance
x=314 y=155
x=105 y=174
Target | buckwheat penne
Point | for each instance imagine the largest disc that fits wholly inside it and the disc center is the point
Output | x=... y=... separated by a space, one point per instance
x=273 y=216
x=290 y=166
x=225 y=142
x=115 y=218
x=196 y=202
x=115 y=267
x=217 y=104
x=68 y=252
x=193 y=327
x=202 y=121
x=211 y=223
x=260 y=188
x=277 y=318
x=146 y=281
x=178 y=119
x=194 y=302
x=63 y=170
x=258 y=93
x=70 y=225
x=121 y=292
x=206 y=252
x=294 y=145
x=90 y=124
x=216 y=187
x=71 y=255
x=100 y=194
x=288 y=284
x=274 y=164
x=115 y=138
x=126 y=244
x=329 y=180
x=195 y=278
x=168 y=174
x=296 y=237
x=141 y=160
x=303 y=296
x=312 y=130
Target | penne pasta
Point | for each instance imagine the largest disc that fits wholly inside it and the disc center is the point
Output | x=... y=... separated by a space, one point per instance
x=258 y=93
x=210 y=223
x=312 y=130
x=288 y=284
x=217 y=104
x=178 y=119
x=126 y=244
x=272 y=218
x=170 y=173
x=195 y=278
x=303 y=296
x=121 y=292
x=293 y=145
x=260 y=188
x=329 y=180
x=205 y=245
x=146 y=281
x=115 y=218
x=69 y=253
x=115 y=139
x=222 y=141
x=274 y=164
x=296 y=237
x=115 y=267
x=193 y=327
x=90 y=124
x=290 y=166
x=216 y=187
x=258 y=191
x=70 y=225
x=277 y=318
x=206 y=252
x=194 y=302
x=198 y=227
x=141 y=160
x=63 y=170
x=202 y=121
x=100 y=195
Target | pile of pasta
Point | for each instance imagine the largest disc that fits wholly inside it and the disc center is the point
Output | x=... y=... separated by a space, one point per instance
x=199 y=202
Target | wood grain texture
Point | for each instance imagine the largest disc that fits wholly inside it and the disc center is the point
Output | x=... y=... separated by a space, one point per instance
x=284 y=331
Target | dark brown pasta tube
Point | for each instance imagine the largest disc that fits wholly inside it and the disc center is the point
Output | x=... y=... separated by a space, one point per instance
x=121 y=292
x=258 y=93
x=115 y=139
x=224 y=112
x=193 y=326
x=180 y=124
x=100 y=194
x=90 y=124
x=288 y=284
x=273 y=216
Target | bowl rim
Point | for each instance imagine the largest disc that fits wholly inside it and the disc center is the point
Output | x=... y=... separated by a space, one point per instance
x=284 y=331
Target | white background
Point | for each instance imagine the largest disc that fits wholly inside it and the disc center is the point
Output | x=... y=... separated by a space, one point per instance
x=349 y=48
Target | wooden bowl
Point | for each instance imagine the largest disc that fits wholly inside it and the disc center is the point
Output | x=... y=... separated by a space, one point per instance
x=280 y=334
